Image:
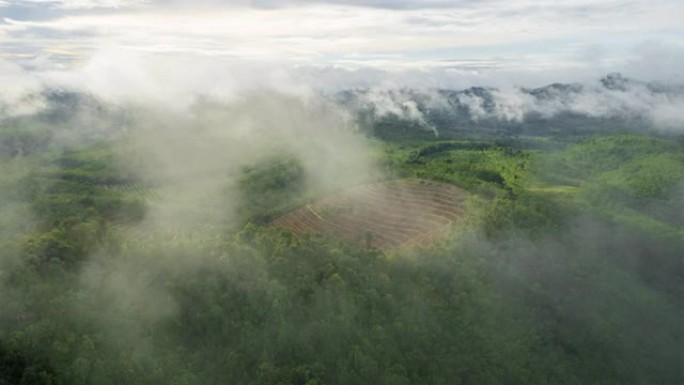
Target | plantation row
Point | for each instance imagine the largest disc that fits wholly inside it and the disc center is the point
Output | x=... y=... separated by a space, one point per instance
x=384 y=216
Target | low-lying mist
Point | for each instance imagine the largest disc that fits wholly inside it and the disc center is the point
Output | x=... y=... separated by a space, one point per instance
x=137 y=194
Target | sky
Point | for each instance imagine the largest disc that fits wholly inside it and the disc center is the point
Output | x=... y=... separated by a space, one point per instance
x=525 y=40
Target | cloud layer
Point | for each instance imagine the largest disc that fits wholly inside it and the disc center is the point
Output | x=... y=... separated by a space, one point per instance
x=471 y=36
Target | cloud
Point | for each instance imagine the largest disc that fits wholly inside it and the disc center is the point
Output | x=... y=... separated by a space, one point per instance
x=170 y=77
x=79 y=4
x=657 y=59
x=485 y=36
x=384 y=102
x=635 y=102
x=382 y=4
x=20 y=94
x=176 y=80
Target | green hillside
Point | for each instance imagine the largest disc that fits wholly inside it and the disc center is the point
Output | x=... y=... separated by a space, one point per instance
x=567 y=269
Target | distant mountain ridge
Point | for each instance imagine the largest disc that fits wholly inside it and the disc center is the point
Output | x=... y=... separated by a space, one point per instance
x=615 y=103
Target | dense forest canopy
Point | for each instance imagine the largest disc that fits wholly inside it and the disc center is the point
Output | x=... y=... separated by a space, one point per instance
x=136 y=247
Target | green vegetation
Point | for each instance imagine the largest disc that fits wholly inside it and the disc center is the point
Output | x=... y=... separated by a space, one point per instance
x=270 y=188
x=486 y=168
x=567 y=270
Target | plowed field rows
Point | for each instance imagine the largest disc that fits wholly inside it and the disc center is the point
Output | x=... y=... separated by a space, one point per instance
x=386 y=215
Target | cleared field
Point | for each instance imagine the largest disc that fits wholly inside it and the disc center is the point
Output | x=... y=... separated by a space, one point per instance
x=384 y=215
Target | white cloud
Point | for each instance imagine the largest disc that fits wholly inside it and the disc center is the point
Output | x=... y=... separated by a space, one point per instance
x=20 y=91
x=81 y=4
x=489 y=35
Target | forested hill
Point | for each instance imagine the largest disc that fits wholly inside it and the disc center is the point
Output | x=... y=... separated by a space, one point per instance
x=567 y=269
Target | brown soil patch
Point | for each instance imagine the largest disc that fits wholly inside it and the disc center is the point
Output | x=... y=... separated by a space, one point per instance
x=385 y=215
